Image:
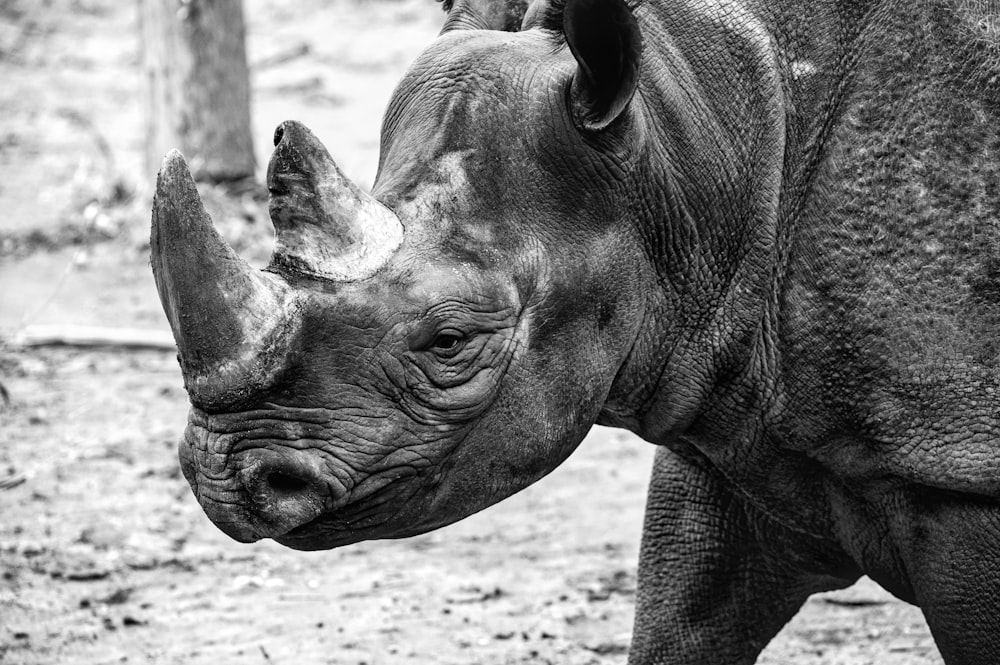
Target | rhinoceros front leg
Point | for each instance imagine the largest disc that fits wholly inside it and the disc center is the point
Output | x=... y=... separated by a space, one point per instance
x=950 y=546
x=717 y=580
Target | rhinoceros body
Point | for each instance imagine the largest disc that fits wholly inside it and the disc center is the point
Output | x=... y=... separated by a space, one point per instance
x=763 y=235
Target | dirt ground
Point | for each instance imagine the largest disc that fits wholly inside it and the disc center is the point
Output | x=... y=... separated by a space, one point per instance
x=105 y=555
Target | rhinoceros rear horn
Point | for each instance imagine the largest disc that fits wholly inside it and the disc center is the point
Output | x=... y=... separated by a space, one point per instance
x=505 y=15
x=325 y=226
x=228 y=319
x=605 y=39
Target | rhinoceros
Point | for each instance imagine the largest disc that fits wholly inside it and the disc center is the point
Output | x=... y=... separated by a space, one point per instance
x=764 y=235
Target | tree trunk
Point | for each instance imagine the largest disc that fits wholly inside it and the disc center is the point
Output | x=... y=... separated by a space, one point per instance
x=197 y=86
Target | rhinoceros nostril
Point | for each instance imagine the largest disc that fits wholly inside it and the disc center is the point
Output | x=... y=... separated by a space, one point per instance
x=286 y=484
x=285 y=489
x=279 y=132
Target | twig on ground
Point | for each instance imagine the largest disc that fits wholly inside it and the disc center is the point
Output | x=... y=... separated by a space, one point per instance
x=11 y=482
x=93 y=336
x=293 y=52
x=854 y=602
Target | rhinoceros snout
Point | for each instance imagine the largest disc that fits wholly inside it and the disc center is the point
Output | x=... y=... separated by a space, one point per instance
x=285 y=490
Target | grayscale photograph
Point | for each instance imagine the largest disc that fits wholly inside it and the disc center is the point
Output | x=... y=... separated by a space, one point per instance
x=500 y=332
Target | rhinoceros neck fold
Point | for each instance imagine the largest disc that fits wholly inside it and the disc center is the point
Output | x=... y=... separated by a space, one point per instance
x=228 y=319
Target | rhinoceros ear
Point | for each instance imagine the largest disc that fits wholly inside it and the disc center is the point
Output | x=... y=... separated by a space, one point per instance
x=484 y=14
x=604 y=37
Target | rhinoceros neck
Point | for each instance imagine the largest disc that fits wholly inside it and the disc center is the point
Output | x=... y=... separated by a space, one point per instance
x=874 y=363
x=834 y=318
x=708 y=209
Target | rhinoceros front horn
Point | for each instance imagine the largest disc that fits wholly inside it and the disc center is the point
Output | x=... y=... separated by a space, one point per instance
x=230 y=321
x=325 y=226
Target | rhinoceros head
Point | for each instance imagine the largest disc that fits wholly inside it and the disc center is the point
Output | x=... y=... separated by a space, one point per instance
x=412 y=356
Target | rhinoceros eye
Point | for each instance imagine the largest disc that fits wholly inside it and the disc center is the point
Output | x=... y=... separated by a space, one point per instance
x=447 y=343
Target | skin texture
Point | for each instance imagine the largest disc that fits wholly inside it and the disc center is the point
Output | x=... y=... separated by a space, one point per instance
x=763 y=236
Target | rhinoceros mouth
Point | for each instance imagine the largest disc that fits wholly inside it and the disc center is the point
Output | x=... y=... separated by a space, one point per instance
x=324 y=533
x=321 y=534
x=373 y=516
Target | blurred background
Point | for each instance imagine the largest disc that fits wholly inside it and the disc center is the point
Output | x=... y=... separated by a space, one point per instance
x=105 y=556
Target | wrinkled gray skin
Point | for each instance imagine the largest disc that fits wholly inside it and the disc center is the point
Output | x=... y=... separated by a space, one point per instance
x=769 y=245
